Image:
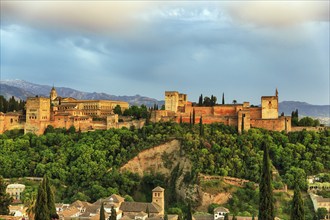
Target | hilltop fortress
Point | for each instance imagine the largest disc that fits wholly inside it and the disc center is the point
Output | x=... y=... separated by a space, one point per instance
x=61 y=112
x=87 y=115
x=243 y=116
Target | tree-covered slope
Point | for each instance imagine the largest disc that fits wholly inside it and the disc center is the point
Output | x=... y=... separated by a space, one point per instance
x=85 y=165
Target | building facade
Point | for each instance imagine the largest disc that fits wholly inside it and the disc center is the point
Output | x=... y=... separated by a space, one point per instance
x=243 y=116
x=15 y=191
x=64 y=112
x=124 y=210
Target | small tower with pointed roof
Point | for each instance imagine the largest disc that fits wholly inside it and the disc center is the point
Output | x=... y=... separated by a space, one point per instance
x=276 y=92
x=53 y=94
x=158 y=198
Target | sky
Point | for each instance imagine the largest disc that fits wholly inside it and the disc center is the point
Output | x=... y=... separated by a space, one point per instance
x=244 y=49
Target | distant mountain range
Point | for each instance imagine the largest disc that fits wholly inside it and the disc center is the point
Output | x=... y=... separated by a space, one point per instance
x=21 y=89
x=304 y=109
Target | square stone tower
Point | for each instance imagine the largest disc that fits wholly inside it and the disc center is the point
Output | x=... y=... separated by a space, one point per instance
x=171 y=101
x=158 y=197
x=37 y=114
x=175 y=101
x=269 y=106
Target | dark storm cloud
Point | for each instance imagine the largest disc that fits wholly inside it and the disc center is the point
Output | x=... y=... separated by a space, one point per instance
x=192 y=48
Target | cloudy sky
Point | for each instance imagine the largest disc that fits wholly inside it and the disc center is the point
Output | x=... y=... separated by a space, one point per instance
x=245 y=49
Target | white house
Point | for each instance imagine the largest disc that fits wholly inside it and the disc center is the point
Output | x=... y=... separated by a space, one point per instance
x=220 y=212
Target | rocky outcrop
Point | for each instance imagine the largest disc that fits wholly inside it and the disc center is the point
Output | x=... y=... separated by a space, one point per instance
x=159 y=159
x=163 y=159
x=166 y=157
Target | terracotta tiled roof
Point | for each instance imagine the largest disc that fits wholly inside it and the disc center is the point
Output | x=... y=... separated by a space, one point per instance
x=8 y=217
x=142 y=214
x=139 y=206
x=79 y=203
x=96 y=217
x=125 y=217
x=321 y=199
x=13 y=114
x=116 y=199
x=203 y=217
x=92 y=209
x=155 y=218
x=70 y=212
x=221 y=209
x=158 y=189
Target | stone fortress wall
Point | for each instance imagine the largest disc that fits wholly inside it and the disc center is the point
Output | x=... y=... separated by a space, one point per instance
x=242 y=116
x=62 y=112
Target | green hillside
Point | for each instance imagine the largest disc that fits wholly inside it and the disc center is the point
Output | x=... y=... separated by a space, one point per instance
x=85 y=165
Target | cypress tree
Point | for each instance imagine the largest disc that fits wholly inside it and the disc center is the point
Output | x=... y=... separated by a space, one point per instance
x=5 y=198
x=200 y=101
x=165 y=217
x=213 y=100
x=201 y=128
x=297 y=209
x=253 y=217
x=147 y=211
x=148 y=118
x=234 y=217
x=41 y=208
x=223 y=98
x=113 y=215
x=102 y=214
x=193 y=117
x=181 y=119
x=50 y=197
x=189 y=214
x=226 y=216
x=266 y=201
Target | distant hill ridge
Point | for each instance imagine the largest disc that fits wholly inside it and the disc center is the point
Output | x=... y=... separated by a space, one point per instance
x=304 y=109
x=21 y=89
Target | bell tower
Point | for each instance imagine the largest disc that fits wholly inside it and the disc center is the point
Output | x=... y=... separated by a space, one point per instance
x=158 y=198
x=52 y=95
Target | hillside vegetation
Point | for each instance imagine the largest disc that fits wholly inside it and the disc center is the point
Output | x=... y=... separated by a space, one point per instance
x=86 y=166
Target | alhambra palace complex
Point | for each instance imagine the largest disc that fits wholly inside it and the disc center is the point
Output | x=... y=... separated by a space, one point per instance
x=242 y=116
x=66 y=112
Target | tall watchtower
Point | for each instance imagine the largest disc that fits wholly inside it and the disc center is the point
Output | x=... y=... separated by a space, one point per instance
x=158 y=198
x=269 y=106
x=37 y=114
x=171 y=101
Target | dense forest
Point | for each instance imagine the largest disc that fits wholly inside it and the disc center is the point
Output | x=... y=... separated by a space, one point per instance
x=11 y=104
x=86 y=166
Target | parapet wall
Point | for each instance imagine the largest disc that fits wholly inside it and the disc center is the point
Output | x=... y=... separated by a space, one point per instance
x=280 y=124
x=300 y=128
x=221 y=110
x=255 y=112
x=10 y=122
